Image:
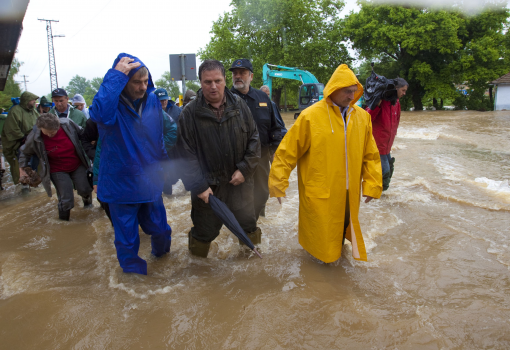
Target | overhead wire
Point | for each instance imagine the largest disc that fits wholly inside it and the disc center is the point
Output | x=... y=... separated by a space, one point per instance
x=46 y=64
x=93 y=18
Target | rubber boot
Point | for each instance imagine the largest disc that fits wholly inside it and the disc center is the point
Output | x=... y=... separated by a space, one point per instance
x=198 y=248
x=87 y=202
x=386 y=178
x=388 y=175
x=64 y=214
x=255 y=237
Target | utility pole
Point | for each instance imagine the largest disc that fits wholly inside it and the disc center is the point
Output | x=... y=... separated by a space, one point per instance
x=51 y=53
x=183 y=71
x=25 y=81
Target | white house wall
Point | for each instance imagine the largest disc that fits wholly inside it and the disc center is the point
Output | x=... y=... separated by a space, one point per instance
x=503 y=98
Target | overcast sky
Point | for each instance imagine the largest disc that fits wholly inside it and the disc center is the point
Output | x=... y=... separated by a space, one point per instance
x=96 y=31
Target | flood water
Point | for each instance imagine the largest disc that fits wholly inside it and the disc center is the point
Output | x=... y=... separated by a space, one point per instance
x=437 y=275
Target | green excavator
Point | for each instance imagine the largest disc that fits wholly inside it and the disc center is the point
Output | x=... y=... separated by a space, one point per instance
x=310 y=92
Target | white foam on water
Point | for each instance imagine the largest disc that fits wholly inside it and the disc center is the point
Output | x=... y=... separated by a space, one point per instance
x=494 y=185
x=288 y=286
x=436 y=191
x=113 y=283
x=431 y=133
x=18 y=277
x=397 y=147
x=38 y=243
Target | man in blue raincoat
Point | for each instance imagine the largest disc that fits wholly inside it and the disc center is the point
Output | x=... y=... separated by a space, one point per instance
x=130 y=123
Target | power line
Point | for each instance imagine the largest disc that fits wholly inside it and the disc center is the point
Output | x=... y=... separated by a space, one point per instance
x=93 y=18
x=51 y=53
x=41 y=72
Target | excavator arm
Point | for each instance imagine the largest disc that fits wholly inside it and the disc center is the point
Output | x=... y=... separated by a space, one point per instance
x=283 y=72
x=310 y=91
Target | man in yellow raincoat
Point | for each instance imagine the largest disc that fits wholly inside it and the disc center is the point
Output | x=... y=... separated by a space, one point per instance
x=332 y=144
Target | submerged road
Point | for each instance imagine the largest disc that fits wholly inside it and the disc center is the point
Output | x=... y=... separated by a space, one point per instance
x=437 y=277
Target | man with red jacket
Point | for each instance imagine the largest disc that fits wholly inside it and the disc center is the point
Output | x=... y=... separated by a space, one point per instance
x=385 y=119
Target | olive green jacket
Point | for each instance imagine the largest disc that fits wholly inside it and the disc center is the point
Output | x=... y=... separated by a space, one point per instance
x=19 y=123
x=75 y=115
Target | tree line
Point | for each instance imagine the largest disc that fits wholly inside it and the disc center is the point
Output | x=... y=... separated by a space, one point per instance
x=447 y=56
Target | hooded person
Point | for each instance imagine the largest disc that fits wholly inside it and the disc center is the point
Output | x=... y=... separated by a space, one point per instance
x=44 y=105
x=79 y=102
x=18 y=124
x=332 y=145
x=129 y=117
x=189 y=96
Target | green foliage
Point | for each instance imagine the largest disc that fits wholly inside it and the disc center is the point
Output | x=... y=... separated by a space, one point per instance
x=77 y=85
x=170 y=85
x=193 y=85
x=434 y=50
x=92 y=89
x=298 y=33
x=12 y=88
x=81 y=85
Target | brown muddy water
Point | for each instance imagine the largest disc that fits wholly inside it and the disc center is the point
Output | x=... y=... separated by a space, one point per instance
x=437 y=277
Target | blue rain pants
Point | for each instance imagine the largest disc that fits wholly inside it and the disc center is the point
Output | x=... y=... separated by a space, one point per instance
x=151 y=217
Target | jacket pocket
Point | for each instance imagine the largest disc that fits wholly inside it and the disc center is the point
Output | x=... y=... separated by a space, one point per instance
x=317 y=192
x=241 y=141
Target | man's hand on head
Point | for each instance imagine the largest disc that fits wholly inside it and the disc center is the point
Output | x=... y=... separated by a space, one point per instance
x=125 y=66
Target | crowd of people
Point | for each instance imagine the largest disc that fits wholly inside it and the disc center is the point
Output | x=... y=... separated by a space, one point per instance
x=134 y=143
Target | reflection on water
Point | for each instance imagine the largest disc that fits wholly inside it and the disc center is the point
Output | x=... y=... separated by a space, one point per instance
x=437 y=276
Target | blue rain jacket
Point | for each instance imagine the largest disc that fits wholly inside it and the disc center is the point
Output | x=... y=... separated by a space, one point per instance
x=169 y=132
x=132 y=147
x=173 y=111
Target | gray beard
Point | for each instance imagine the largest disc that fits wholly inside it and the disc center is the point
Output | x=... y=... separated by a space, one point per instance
x=239 y=85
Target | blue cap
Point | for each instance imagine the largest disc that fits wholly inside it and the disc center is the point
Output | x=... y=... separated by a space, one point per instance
x=58 y=92
x=242 y=63
x=162 y=94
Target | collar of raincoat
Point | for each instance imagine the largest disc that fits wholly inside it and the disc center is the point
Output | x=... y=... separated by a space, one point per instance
x=150 y=86
x=25 y=98
x=342 y=77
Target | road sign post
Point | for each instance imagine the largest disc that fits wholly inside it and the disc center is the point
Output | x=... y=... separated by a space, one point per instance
x=183 y=67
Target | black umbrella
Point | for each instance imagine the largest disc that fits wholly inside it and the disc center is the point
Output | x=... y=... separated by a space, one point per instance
x=225 y=215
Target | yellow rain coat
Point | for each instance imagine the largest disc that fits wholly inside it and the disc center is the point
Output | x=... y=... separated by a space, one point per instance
x=318 y=143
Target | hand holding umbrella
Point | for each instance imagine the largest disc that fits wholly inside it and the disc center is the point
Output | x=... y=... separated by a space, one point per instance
x=225 y=215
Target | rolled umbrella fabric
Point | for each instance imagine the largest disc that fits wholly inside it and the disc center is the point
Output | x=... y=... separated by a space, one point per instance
x=227 y=217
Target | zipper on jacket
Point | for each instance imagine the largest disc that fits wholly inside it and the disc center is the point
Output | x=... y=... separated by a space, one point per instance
x=391 y=129
x=346 y=122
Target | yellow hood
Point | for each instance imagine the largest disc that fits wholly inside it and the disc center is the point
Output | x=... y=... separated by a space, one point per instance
x=343 y=77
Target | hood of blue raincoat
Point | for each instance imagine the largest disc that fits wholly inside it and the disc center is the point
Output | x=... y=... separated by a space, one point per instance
x=150 y=86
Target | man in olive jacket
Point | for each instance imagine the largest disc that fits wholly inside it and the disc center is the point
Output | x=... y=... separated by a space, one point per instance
x=63 y=109
x=19 y=123
x=219 y=147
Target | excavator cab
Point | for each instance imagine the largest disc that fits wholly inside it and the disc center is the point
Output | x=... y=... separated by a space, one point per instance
x=309 y=94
